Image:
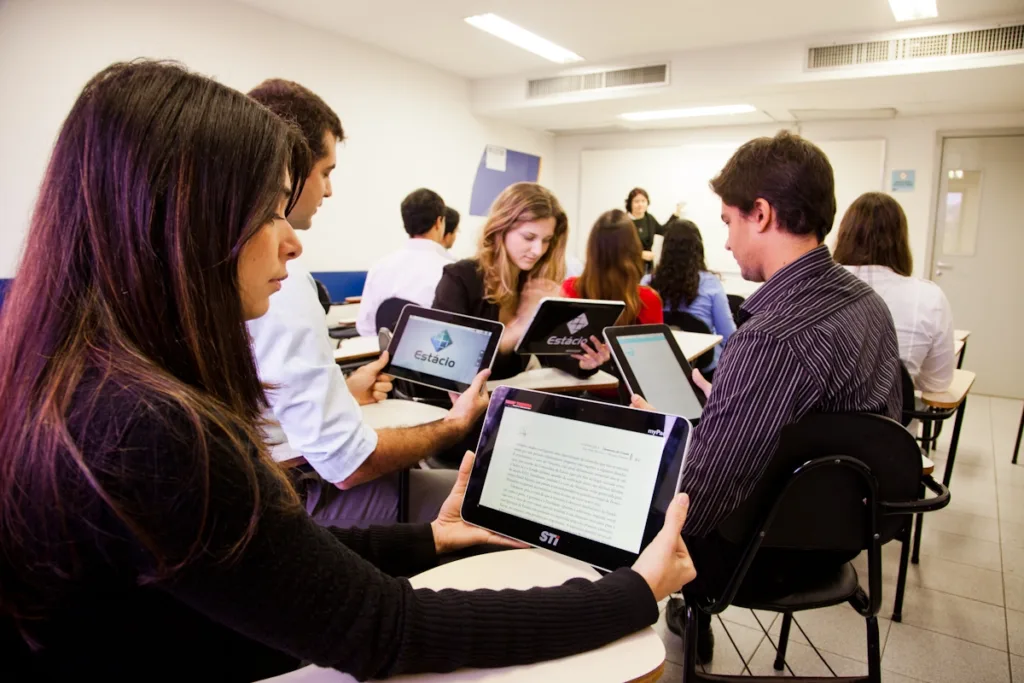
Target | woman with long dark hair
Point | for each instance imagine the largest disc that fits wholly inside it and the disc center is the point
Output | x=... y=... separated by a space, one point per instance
x=145 y=532
x=613 y=271
x=685 y=283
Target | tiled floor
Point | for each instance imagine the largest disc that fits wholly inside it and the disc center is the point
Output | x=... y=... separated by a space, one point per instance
x=963 y=615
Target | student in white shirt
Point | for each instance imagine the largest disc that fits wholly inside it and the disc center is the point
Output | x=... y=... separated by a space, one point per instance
x=874 y=245
x=451 y=230
x=412 y=272
x=355 y=481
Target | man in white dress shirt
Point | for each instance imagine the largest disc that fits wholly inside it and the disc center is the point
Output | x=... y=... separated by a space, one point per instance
x=412 y=272
x=451 y=230
x=316 y=411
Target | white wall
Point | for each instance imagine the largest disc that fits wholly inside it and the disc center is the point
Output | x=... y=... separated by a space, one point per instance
x=409 y=125
x=911 y=143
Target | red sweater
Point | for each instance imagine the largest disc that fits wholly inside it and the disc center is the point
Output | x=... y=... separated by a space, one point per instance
x=651 y=309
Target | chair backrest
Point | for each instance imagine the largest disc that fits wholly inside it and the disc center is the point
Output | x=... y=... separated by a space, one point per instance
x=323 y=295
x=735 y=301
x=909 y=402
x=825 y=509
x=687 y=322
x=389 y=311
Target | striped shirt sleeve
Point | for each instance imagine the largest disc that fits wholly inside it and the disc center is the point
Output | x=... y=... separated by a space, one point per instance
x=761 y=386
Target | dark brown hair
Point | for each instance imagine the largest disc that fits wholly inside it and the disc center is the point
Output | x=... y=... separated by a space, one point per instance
x=790 y=173
x=614 y=264
x=305 y=109
x=874 y=232
x=420 y=210
x=129 y=285
x=677 y=278
x=632 y=194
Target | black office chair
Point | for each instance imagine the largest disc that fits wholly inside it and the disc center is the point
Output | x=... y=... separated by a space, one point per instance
x=840 y=484
x=389 y=311
x=735 y=301
x=1020 y=429
x=323 y=295
x=680 y=320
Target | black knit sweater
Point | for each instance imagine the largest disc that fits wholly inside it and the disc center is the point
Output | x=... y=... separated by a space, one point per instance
x=296 y=592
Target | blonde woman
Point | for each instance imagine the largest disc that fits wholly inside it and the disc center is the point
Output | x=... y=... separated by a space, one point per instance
x=520 y=260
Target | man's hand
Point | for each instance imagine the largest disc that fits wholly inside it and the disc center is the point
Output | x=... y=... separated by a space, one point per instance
x=638 y=402
x=367 y=385
x=451 y=532
x=468 y=406
x=702 y=383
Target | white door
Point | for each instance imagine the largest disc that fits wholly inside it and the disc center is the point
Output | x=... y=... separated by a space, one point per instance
x=978 y=252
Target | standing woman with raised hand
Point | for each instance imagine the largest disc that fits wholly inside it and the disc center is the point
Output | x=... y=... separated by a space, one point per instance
x=145 y=532
x=647 y=226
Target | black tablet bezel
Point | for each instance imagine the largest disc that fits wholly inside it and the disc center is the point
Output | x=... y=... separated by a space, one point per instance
x=495 y=328
x=538 y=535
x=611 y=336
x=533 y=340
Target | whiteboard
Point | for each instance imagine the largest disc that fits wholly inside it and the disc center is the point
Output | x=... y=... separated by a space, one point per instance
x=681 y=174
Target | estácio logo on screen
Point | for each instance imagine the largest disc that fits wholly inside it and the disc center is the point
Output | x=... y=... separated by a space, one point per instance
x=440 y=341
x=574 y=325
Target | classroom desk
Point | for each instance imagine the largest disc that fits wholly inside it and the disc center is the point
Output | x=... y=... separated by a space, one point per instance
x=342 y=315
x=694 y=345
x=953 y=398
x=639 y=657
x=357 y=349
x=556 y=381
x=353 y=299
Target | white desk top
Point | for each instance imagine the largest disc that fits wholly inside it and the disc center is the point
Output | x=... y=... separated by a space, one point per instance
x=634 y=657
x=357 y=348
x=958 y=346
x=397 y=412
x=555 y=381
x=342 y=314
x=961 y=335
x=694 y=344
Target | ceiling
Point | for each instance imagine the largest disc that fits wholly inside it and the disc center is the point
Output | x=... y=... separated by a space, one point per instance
x=433 y=31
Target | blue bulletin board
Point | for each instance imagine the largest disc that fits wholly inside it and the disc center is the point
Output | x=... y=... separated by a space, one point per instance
x=491 y=179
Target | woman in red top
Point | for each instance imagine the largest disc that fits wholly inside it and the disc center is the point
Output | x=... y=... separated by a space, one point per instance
x=613 y=271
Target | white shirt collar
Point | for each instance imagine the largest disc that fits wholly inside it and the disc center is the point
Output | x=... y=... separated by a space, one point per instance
x=423 y=244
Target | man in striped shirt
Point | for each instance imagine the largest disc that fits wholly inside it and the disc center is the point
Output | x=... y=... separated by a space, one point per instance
x=813 y=338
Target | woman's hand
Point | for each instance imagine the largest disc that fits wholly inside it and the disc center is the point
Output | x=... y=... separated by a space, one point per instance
x=648 y=255
x=665 y=563
x=529 y=300
x=593 y=358
x=451 y=532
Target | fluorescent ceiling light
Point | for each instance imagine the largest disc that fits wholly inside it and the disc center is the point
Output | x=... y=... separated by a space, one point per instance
x=688 y=113
x=520 y=37
x=909 y=10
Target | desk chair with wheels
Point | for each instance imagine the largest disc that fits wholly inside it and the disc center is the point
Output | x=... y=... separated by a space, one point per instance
x=680 y=320
x=839 y=484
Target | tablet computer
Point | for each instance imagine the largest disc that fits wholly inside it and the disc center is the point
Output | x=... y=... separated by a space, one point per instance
x=652 y=365
x=440 y=349
x=588 y=480
x=560 y=326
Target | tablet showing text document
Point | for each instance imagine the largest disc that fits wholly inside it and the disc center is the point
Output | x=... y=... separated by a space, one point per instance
x=588 y=480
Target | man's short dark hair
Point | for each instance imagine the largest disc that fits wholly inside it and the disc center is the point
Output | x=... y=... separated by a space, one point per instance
x=790 y=173
x=304 y=108
x=420 y=211
x=451 y=220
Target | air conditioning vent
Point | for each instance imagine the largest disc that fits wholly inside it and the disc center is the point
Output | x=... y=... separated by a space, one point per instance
x=980 y=42
x=620 y=78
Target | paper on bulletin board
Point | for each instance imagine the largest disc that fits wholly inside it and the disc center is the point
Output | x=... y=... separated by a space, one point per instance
x=903 y=181
x=497 y=158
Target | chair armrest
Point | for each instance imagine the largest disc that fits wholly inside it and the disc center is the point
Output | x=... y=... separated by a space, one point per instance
x=940 y=500
x=963 y=380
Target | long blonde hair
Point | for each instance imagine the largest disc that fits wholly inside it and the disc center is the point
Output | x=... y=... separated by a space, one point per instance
x=614 y=264
x=520 y=203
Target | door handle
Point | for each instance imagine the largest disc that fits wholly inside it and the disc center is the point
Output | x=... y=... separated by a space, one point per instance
x=941 y=268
